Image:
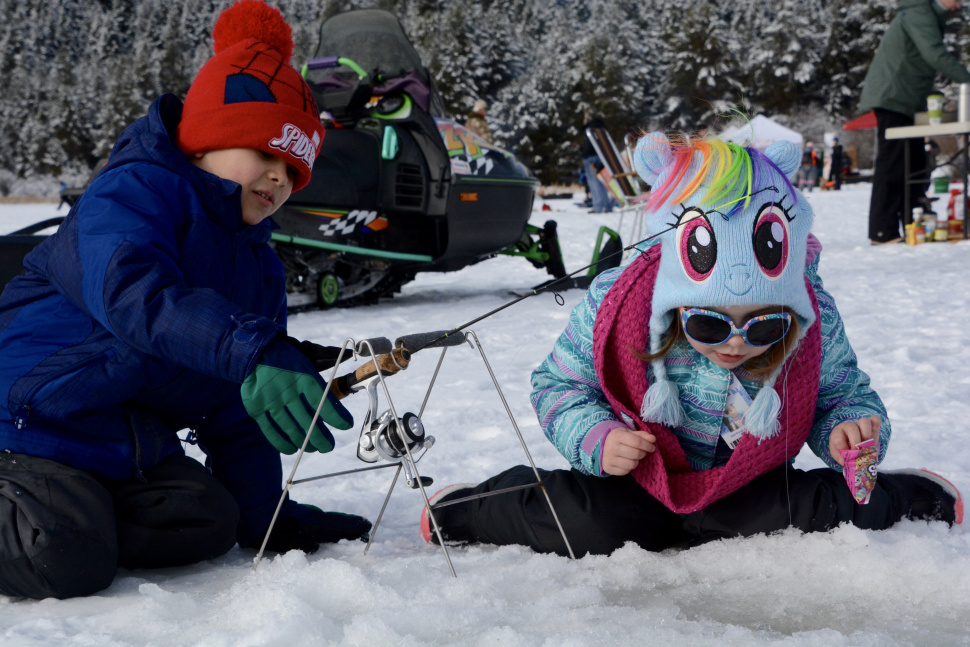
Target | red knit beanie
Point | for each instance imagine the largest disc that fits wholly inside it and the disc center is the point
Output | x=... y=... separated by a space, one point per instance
x=248 y=95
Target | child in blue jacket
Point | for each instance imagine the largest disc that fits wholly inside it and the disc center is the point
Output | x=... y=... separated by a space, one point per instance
x=686 y=383
x=159 y=306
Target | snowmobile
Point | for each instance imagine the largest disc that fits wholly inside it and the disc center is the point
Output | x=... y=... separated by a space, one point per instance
x=397 y=188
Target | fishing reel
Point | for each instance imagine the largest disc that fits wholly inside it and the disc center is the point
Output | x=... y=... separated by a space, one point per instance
x=384 y=437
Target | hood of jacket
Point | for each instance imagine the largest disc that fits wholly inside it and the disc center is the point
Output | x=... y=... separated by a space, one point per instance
x=151 y=140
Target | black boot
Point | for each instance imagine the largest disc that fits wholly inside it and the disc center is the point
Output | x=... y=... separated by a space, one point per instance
x=931 y=497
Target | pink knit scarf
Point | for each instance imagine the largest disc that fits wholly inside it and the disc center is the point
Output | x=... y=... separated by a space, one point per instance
x=621 y=327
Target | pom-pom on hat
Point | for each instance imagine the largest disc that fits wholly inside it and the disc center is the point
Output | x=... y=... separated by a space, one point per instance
x=249 y=96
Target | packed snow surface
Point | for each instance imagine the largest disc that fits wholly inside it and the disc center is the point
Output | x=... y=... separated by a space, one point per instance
x=907 y=313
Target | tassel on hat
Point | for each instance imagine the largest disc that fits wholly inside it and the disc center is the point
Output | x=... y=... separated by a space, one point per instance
x=661 y=402
x=761 y=418
x=249 y=96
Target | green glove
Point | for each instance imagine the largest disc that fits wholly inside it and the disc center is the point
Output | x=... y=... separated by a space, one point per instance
x=282 y=393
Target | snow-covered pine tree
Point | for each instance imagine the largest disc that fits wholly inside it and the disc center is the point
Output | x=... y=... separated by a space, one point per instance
x=854 y=31
x=535 y=115
x=779 y=44
x=76 y=72
x=702 y=75
x=472 y=49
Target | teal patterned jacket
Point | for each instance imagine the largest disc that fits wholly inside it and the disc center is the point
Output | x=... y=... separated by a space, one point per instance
x=576 y=417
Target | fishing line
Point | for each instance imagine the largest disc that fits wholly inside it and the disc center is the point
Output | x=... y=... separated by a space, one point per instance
x=547 y=287
x=784 y=403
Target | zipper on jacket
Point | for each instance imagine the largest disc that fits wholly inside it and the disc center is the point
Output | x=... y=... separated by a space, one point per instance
x=20 y=420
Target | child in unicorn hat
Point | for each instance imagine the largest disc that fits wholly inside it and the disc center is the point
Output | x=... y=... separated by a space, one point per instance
x=724 y=310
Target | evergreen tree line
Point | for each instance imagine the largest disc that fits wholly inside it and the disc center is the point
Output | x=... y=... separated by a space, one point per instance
x=75 y=72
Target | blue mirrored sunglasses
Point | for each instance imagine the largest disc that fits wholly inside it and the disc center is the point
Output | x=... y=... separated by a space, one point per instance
x=712 y=328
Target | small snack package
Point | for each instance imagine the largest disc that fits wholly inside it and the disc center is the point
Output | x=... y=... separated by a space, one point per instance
x=859 y=469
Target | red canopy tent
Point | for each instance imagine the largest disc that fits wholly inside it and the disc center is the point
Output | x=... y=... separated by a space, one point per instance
x=864 y=122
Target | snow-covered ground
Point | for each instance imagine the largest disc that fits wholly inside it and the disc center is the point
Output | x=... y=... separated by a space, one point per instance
x=906 y=310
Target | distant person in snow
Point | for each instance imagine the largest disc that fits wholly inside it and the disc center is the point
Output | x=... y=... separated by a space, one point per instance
x=683 y=387
x=592 y=165
x=899 y=79
x=836 y=165
x=808 y=172
x=159 y=306
x=477 y=123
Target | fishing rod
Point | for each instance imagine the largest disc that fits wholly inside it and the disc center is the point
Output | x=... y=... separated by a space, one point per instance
x=385 y=436
x=389 y=361
x=401 y=440
x=547 y=287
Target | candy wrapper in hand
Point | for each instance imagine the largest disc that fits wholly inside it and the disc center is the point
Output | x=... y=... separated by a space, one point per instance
x=859 y=469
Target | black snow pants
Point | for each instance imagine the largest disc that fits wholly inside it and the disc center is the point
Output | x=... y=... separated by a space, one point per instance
x=599 y=515
x=64 y=533
x=886 y=206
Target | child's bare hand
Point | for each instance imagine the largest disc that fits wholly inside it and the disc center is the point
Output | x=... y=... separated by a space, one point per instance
x=849 y=434
x=624 y=448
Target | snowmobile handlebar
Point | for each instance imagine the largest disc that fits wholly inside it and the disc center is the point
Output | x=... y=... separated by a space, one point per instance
x=333 y=61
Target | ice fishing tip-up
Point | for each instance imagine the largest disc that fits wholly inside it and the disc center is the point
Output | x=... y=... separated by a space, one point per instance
x=399 y=440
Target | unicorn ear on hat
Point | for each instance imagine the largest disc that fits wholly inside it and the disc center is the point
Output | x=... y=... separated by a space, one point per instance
x=786 y=157
x=651 y=156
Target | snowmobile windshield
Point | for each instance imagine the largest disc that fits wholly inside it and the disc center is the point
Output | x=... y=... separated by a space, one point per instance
x=375 y=40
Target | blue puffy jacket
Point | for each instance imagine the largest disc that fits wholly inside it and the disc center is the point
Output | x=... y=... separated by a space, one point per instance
x=140 y=317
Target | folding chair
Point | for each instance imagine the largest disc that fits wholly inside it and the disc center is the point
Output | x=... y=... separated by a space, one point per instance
x=617 y=175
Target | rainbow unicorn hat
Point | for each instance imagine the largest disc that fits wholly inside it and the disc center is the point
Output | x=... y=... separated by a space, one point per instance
x=733 y=231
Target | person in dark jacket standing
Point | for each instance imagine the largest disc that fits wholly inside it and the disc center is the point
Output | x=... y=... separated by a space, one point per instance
x=159 y=306
x=836 y=164
x=899 y=79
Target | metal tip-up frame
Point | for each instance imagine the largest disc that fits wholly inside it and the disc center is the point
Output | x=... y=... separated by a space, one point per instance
x=401 y=441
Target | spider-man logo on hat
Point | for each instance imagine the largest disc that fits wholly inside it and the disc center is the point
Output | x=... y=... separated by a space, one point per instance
x=249 y=96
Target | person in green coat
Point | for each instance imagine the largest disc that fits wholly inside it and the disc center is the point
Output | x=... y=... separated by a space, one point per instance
x=899 y=79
